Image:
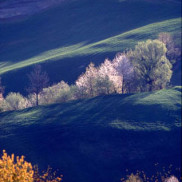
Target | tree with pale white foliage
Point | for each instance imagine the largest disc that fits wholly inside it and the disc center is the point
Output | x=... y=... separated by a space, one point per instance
x=109 y=77
x=1 y=94
x=99 y=80
x=171 y=179
x=1 y=88
x=59 y=92
x=86 y=81
x=108 y=71
x=15 y=101
x=124 y=69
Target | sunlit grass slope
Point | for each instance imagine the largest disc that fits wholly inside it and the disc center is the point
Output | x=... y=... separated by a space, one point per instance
x=68 y=62
x=97 y=139
x=78 y=32
x=79 y=21
x=106 y=46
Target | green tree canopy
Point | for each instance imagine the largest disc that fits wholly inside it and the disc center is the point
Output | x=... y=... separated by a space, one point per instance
x=152 y=68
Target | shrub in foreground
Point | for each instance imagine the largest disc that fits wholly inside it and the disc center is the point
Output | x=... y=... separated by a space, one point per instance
x=19 y=170
x=12 y=170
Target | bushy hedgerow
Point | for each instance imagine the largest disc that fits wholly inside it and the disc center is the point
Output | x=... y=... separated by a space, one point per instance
x=14 y=101
x=145 y=68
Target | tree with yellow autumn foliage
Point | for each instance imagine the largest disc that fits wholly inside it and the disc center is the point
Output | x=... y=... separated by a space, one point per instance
x=19 y=170
x=12 y=170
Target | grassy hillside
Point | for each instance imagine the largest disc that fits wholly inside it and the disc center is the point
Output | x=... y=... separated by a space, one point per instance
x=98 y=139
x=78 y=32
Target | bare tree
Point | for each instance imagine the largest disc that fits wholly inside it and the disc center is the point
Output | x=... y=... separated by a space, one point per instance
x=38 y=80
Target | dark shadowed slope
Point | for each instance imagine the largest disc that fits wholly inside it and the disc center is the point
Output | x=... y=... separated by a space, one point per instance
x=12 y=9
x=97 y=139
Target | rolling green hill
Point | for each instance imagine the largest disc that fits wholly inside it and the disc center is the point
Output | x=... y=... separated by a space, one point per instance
x=66 y=38
x=97 y=139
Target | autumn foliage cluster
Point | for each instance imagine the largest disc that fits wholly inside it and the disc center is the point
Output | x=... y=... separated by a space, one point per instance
x=18 y=170
x=11 y=171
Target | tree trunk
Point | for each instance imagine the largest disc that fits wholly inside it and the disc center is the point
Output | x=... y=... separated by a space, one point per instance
x=151 y=83
x=123 y=86
x=37 y=99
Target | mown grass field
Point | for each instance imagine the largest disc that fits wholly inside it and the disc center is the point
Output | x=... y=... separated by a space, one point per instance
x=97 y=139
x=66 y=38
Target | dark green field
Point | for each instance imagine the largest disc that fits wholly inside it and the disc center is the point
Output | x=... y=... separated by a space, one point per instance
x=66 y=38
x=98 y=139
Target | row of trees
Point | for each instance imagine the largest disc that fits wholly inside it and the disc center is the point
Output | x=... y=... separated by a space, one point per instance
x=146 y=68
